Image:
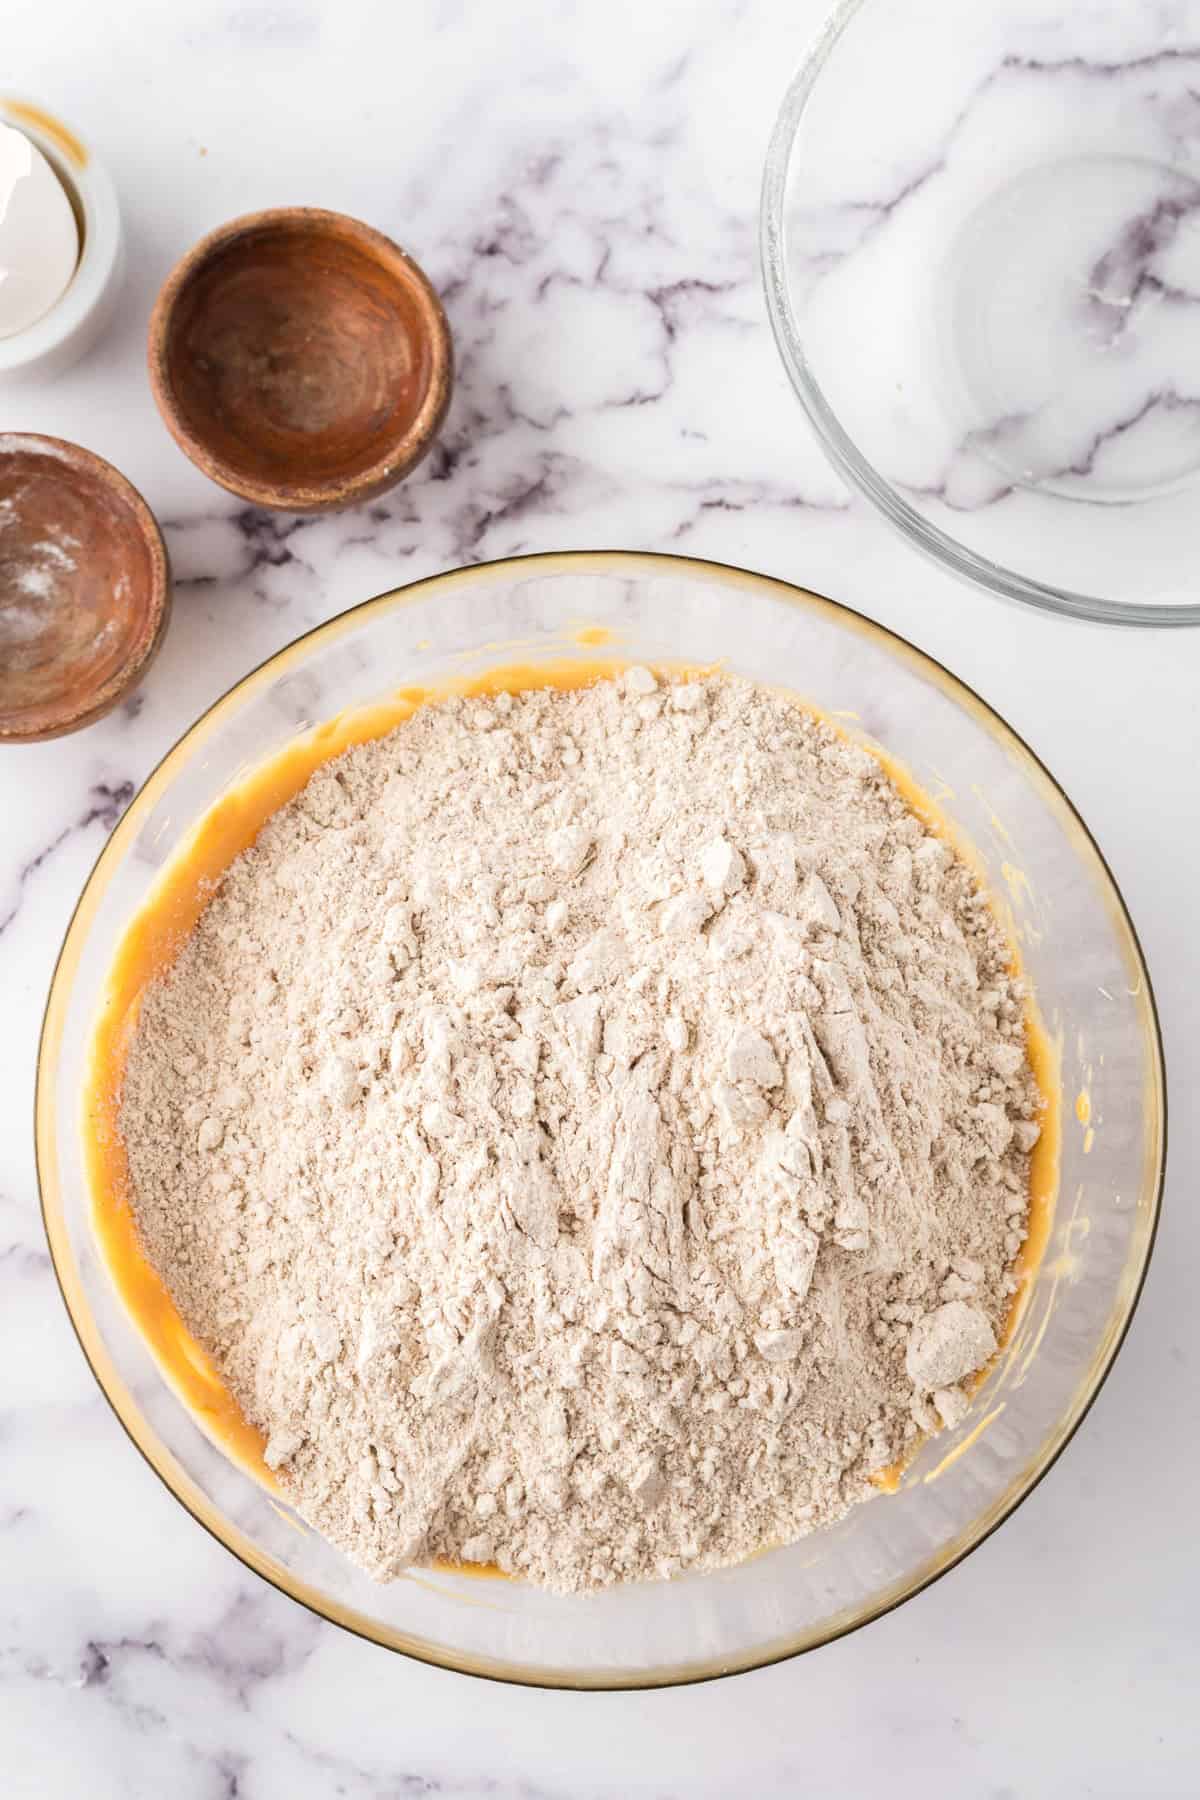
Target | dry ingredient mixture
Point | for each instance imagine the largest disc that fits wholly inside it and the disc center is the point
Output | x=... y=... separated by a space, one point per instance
x=589 y=1130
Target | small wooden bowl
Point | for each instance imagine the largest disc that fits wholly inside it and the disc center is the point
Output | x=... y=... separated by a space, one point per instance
x=84 y=587
x=300 y=359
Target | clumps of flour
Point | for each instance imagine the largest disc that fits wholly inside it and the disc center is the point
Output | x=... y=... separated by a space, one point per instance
x=589 y=1131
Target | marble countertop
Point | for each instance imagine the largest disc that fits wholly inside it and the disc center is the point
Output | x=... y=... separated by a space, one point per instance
x=582 y=185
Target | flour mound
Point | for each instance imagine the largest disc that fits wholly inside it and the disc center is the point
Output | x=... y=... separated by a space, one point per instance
x=589 y=1131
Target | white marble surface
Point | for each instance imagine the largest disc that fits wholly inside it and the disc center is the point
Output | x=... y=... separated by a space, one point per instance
x=581 y=182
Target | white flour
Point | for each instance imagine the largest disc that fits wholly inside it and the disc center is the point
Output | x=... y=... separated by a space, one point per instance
x=589 y=1131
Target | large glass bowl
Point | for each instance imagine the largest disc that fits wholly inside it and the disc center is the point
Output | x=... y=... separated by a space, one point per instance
x=1081 y=953
x=981 y=252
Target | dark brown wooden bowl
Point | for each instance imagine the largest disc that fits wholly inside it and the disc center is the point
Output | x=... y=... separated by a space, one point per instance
x=84 y=587
x=300 y=359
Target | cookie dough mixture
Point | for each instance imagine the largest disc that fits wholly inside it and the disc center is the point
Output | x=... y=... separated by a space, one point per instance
x=589 y=1131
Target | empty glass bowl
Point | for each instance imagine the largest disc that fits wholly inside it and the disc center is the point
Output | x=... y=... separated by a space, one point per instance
x=1081 y=953
x=981 y=247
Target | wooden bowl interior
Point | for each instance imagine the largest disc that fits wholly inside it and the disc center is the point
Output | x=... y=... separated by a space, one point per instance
x=297 y=353
x=81 y=591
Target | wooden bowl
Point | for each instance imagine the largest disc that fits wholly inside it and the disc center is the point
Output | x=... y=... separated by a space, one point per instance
x=300 y=359
x=84 y=587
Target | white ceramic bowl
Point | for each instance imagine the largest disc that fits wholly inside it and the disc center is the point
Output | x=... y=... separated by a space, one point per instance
x=78 y=318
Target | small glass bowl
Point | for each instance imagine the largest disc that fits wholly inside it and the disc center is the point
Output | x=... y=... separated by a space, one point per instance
x=1080 y=951
x=981 y=251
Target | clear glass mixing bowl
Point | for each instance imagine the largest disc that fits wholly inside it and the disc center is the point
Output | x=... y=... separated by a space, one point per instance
x=981 y=250
x=1081 y=953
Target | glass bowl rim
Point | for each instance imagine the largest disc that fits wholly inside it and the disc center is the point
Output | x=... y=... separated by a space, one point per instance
x=839 y=446
x=111 y=1384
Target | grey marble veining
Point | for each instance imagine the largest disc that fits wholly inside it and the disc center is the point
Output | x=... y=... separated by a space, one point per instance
x=582 y=186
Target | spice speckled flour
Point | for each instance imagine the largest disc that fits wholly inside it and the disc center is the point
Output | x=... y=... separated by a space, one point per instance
x=589 y=1130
